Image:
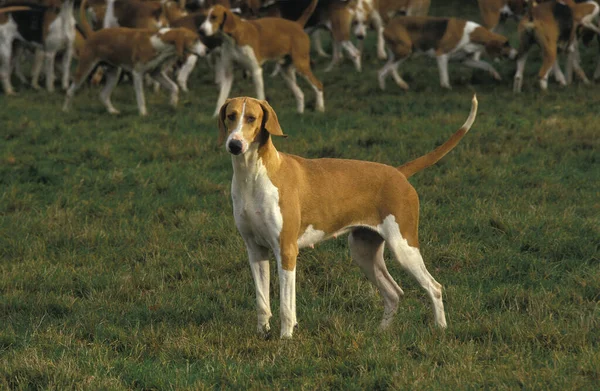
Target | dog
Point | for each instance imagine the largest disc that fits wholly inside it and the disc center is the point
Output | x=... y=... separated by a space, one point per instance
x=139 y=51
x=49 y=27
x=445 y=39
x=252 y=42
x=553 y=26
x=283 y=202
x=193 y=22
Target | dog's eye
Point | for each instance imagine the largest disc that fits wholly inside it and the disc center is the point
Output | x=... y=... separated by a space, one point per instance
x=213 y=17
x=250 y=119
x=231 y=117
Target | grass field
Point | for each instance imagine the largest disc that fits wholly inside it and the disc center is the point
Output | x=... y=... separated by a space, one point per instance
x=121 y=267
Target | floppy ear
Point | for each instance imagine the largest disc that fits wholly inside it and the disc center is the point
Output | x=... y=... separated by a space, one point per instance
x=228 y=23
x=221 y=120
x=270 y=121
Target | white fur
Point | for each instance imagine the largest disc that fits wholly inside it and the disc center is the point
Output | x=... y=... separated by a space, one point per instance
x=310 y=237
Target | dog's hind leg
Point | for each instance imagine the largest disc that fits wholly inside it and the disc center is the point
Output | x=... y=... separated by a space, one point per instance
x=289 y=75
x=411 y=260
x=366 y=250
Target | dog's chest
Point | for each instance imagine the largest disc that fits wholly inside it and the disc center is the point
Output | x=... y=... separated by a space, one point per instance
x=256 y=207
x=243 y=55
x=61 y=31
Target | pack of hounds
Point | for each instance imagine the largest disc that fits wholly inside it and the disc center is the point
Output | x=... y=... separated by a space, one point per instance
x=158 y=41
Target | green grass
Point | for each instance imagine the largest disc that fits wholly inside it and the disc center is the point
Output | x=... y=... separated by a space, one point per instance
x=121 y=268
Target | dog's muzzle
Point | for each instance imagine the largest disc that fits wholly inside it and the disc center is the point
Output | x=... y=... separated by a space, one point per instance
x=235 y=147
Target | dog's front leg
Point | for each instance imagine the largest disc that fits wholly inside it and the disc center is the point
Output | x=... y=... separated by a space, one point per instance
x=442 y=61
x=138 y=83
x=49 y=67
x=378 y=24
x=286 y=264
x=259 y=265
x=224 y=73
x=66 y=65
x=36 y=68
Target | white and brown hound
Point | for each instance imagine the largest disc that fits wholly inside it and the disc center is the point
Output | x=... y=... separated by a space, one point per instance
x=252 y=42
x=443 y=38
x=282 y=203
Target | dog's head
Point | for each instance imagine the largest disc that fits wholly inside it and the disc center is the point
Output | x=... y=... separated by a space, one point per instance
x=500 y=47
x=185 y=41
x=243 y=121
x=218 y=18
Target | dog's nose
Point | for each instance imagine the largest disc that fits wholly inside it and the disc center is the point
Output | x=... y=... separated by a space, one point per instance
x=235 y=147
x=360 y=36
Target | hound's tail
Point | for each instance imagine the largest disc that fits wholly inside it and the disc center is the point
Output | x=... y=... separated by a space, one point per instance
x=85 y=25
x=16 y=8
x=414 y=166
x=307 y=13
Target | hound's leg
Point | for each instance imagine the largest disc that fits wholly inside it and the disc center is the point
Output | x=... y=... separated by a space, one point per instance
x=112 y=78
x=36 y=68
x=225 y=82
x=478 y=64
x=66 y=65
x=138 y=84
x=318 y=43
x=259 y=265
x=286 y=265
x=518 y=81
x=378 y=24
x=49 y=67
x=411 y=260
x=442 y=61
x=289 y=75
x=366 y=250
x=169 y=85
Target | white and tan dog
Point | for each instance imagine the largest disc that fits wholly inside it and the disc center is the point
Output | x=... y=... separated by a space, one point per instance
x=253 y=42
x=443 y=38
x=139 y=51
x=284 y=202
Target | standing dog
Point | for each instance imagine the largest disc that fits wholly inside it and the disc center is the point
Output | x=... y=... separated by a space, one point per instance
x=138 y=51
x=252 y=42
x=284 y=202
x=443 y=38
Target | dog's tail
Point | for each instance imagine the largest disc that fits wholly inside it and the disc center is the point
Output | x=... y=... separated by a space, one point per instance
x=307 y=13
x=85 y=25
x=15 y=8
x=414 y=166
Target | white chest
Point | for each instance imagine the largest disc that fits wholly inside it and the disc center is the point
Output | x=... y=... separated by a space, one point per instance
x=465 y=46
x=243 y=55
x=256 y=205
x=61 y=32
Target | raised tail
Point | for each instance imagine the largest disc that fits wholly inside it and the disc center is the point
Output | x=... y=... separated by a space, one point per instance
x=85 y=25
x=307 y=13
x=16 y=8
x=414 y=166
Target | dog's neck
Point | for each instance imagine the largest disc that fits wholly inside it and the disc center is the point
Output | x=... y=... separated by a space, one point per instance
x=261 y=153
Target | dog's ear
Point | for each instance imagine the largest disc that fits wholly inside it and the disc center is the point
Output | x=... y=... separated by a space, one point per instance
x=221 y=120
x=270 y=121
x=228 y=23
